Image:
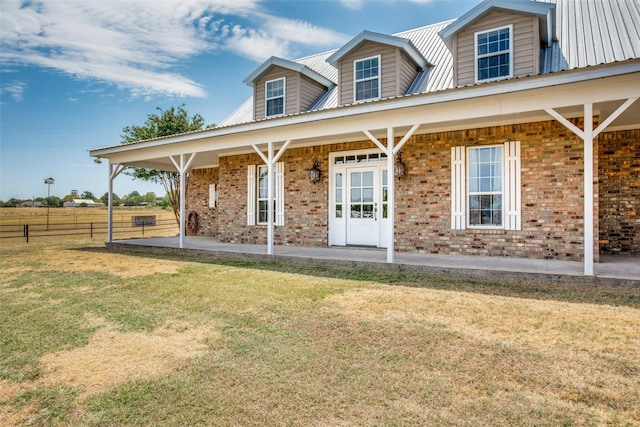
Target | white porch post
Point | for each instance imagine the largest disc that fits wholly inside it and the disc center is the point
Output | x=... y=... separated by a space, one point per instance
x=391 y=199
x=588 y=135
x=588 y=190
x=182 y=168
x=114 y=170
x=270 y=160
x=270 y=230
x=391 y=150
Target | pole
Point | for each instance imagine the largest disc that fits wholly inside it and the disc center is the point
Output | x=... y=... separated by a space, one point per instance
x=48 y=181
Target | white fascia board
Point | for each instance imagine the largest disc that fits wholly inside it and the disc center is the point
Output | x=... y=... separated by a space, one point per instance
x=400 y=42
x=289 y=65
x=539 y=9
x=496 y=98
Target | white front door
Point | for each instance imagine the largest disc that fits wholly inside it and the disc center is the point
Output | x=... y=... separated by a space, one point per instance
x=358 y=189
x=363 y=204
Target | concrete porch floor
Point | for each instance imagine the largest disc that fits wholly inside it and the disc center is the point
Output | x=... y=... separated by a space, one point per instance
x=611 y=270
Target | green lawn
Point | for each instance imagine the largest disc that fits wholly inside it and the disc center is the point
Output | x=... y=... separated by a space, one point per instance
x=89 y=337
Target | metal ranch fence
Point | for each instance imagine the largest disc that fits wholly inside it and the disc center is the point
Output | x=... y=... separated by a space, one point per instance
x=137 y=227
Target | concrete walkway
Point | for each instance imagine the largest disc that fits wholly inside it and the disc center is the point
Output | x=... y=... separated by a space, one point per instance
x=611 y=270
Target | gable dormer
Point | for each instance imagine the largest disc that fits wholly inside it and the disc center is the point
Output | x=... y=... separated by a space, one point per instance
x=285 y=87
x=499 y=39
x=374 y=66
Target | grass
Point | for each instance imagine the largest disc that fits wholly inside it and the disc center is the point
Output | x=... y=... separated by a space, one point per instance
x=90 y=337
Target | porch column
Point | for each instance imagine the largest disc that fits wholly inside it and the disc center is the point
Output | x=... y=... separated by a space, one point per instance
x=391 y=150
x=182 y=168
x=114 y=171
x=391 y=199
x=270 y=160
x=588 y=136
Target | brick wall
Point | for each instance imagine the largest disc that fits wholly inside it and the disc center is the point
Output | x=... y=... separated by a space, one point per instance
x=552 y=196
x=619 y=154
x=198 y=200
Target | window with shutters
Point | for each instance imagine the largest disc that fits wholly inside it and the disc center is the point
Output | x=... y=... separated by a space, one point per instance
x=258 y=194
x=486 y=187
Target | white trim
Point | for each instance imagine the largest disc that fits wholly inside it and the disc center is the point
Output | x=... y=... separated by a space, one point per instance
x=251 y=195
x=378 y=77
x=280 y=193
x=501 y=192
x=476 y=57
x=458 y=188
x=213 y=196
x=283 y=96
x=512 y=198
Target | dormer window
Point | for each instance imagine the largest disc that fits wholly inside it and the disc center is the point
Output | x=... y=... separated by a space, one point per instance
x=494 y=54
x=274 y=97
x=367 y=78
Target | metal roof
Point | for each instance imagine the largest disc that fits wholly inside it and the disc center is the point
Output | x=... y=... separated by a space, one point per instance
x=399 y=42
x=587 y=33
x=289 y=65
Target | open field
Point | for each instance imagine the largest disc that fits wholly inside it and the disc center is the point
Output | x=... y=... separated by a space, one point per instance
x=82 y=222
x=90 y=337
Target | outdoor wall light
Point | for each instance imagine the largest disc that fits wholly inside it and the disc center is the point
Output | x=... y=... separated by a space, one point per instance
x=314 y=172
x=398 y=167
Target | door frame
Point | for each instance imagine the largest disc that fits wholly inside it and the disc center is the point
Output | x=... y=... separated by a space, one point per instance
x=339 y=163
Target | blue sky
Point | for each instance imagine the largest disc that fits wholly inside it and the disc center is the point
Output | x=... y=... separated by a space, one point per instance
x=73 y=73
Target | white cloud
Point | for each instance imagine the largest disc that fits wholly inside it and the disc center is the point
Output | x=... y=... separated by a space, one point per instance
x=352 y=4
x=15 y=90
x=139 y=45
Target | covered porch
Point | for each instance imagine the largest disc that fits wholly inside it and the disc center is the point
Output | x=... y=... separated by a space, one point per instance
x=613 y=270
x=389 y=124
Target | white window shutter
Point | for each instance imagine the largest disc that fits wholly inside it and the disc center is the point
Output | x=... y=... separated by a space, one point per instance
x=280 y=193
x=213 y=196
x=458 y=196
x=512 y=192
x=251 y=195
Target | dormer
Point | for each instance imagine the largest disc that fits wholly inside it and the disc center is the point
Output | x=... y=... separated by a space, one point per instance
x=284 y=87
x=373 y=66
x=499 y=39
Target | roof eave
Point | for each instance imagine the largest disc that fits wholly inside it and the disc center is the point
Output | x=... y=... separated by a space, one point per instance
x=400 y=42
x=455 y=94
x=289 y=65
x=544 y=11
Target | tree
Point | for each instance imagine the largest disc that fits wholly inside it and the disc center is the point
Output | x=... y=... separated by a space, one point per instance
x=87 y=195
x=105 y=199
x=167 y=122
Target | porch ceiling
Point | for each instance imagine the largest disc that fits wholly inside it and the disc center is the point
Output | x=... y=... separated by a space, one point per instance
x=509 y=102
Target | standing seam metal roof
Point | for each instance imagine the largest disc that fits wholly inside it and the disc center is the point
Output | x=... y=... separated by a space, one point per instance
x=588 y=33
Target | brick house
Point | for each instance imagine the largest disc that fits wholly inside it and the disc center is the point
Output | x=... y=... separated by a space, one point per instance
x=510 y=131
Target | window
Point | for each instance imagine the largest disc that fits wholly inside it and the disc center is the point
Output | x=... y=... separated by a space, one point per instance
x=263 y=194
x=274 y=96
x=485 y=187
x=213 y=196
x=367 y=78
x=494 y=54
x=258 y=194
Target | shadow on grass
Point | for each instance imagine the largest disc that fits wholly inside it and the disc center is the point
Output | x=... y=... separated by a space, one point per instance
x=531 y=289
